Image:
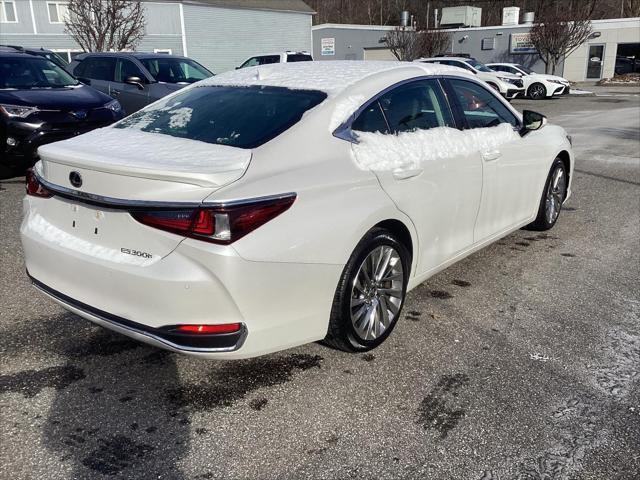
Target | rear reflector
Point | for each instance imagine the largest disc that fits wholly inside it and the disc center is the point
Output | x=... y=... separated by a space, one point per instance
x=209 y=329
x=34 y=188
x=223 y=224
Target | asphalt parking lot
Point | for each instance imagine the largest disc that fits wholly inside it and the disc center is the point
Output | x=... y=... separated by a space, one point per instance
x=520 y=362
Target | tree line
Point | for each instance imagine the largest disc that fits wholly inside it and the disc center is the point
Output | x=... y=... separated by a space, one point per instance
x=387 y=12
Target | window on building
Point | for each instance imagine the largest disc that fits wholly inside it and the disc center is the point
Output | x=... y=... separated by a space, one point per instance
x=8 y=12
x=58 y=12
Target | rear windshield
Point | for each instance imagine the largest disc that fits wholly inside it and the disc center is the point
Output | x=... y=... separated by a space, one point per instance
x=244 y=117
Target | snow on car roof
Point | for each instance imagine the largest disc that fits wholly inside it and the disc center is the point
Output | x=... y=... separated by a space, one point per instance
x=331 y=77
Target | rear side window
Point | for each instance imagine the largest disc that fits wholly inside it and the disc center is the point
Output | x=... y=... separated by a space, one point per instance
x=481 y=108
x=298 y=57
x=263 y=60
x=417 y=105
x=97 y=68
x=244 y=117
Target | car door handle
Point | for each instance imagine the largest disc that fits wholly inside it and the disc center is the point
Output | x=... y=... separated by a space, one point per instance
x=115 y=93
x=404 y=174
x=491 y=155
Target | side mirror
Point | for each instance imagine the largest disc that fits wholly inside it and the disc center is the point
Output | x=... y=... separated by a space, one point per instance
x=137 y=81
x=519 y=74
x=532 y=121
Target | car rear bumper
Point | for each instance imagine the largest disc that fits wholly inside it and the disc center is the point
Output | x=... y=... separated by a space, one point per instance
x=280 y=305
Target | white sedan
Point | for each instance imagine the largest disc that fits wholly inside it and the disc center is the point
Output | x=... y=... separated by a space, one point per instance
x=274 y=206
x=537 y=85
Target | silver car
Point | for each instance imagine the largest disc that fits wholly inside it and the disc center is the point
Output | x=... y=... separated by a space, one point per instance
x=136 y=79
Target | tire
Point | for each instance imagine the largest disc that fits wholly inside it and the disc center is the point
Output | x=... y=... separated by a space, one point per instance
x=537 y=91
x=552 y=197
x=368 y=326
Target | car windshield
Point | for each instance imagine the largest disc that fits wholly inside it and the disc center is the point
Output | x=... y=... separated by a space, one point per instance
x=481 y=67
x=526 y=70
x=175 y=70
x=244 y=117
x=32 y=72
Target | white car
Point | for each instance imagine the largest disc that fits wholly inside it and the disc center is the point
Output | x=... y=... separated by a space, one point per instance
x=269 y=207
x=509 y=85
x=537 y=85
x=280 y=57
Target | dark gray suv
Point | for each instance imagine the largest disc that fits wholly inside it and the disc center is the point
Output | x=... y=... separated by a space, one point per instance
x=136 y=79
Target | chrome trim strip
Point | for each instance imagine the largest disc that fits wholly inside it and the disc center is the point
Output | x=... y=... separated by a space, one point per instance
x=119 y=326
x=118 y=203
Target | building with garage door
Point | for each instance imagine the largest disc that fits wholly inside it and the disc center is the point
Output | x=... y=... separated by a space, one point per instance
x=219 y=34
x=613 y=47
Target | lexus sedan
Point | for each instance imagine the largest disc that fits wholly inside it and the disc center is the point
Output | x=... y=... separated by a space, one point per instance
x=278 y=205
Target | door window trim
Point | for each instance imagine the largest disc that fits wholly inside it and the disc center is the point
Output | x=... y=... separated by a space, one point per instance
x=344 y=131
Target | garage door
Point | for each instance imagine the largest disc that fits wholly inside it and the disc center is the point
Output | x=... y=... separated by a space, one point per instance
x=378 y=54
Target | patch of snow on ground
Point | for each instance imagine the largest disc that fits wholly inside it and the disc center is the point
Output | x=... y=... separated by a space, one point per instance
x=344 y=109
x=577 y=91
x=409 y=150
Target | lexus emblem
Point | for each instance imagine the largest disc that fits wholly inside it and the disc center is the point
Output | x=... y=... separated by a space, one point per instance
x=76 y=179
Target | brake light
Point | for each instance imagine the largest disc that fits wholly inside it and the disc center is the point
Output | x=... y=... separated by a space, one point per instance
x=223 y=225
x=34 y=187
x=209 y=329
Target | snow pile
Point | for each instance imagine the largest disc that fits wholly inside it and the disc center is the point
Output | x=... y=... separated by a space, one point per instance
x=131 y=147
x=409 y=150
x=344 y=109
x=56 y=236
x=330 y=77
x=577 y=91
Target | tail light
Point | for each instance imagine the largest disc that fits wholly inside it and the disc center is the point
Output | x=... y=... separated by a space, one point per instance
x=34 y=187
x=223 y=225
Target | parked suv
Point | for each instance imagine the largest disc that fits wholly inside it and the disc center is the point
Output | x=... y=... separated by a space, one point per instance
x=509 y=85
x=537 y=85
x=41 y=52
x=137 y=79
x=42 y=103
x=284 y=57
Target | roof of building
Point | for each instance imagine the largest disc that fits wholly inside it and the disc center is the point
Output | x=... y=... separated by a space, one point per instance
x=297 y=6
x=331 y=77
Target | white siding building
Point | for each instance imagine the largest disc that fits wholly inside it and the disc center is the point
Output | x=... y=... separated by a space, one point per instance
x=219 y=34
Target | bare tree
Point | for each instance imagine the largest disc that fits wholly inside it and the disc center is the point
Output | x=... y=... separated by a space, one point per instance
x=407 y=44
x=559 y=33
x=105 y=25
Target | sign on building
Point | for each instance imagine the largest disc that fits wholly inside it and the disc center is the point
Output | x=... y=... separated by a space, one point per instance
x=327 y=46
x=521 y=43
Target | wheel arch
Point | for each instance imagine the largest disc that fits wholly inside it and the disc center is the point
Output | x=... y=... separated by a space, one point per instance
x=399 y=229
x=566 y=160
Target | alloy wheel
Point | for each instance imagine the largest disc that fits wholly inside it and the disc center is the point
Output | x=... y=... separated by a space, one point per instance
x=376 y=294
x=536 y=91
x=555 y=194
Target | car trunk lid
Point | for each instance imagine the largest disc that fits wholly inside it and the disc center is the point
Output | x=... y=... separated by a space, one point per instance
x=101 y=176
